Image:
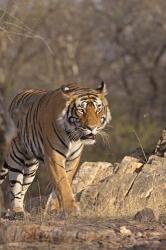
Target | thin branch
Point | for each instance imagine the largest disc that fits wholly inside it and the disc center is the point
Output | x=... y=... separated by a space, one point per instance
x=17 y=19
x=140 y=144
x=29 y=32
x=32 y=37
x=6 y=32
x=15 y=25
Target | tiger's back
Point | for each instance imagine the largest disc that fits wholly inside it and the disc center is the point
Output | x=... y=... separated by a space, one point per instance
x=23 y=101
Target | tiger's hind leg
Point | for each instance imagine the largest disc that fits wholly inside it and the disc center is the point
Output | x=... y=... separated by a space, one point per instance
x=16 y=174
x=15 y=162
x=20 y=178
x=30 y=169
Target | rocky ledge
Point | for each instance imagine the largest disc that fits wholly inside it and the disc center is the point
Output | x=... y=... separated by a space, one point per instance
x=123 y=189
x=82 y=234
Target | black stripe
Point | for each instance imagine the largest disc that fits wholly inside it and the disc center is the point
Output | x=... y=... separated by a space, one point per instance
x=16 y=197
x=32 y=149
x=29 y=116
x=59 y=165
x=3 y=170
x=94 y=100
x=73 y=158
x=15 y=170
x=14 y=182
x=55 y=148
x=34 y=135
x=40 y=158
x=16 y=193
x=72 y=113
x=84 y=98
x=40 y=127
x=23 y=97
x=26 y=184
x=76 y=150
x=88 y=94
x=20 y=152
x=25 y=136
x=49 y=95
x=6 y=165
x=31 y=174
x=75 y=117
x=30 y=111
x=37 y=110
x=14 y=159
x=68 y=111
x=40 y=137
x=2 y=176
x=40 y=132
x=31 y=164
x=39 y=144
x=69 y=170
x=61 y=153
x=18 y=98
x=64 y=144
x=36 y=130
x=35 y=138
x=16 y=156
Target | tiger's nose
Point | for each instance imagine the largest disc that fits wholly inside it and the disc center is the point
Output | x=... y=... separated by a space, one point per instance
x=91 y=127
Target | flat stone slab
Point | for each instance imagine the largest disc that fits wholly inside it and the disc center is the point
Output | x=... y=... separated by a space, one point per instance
x=82 y=234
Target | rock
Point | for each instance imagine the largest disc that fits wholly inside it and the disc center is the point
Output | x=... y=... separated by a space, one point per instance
x=52 y=234
x=131 y=168
x=91 y=173
x=145 y=215
x=81 y=234
x=160 y=149
x=134 y=187
x=124 y=231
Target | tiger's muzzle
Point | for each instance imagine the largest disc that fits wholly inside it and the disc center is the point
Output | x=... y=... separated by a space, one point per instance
x=90 y=136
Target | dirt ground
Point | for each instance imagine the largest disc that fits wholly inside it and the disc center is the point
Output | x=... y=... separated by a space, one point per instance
x=82 y=233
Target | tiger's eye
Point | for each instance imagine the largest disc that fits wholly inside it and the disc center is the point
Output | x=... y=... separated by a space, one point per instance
x=80 y=110
x=77 y=120
x=99 y=108
x=103 y=118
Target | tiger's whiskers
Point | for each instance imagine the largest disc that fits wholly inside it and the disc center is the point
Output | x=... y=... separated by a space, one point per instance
x=105 y=138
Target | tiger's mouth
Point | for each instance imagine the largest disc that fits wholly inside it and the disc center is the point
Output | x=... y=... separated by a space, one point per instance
x=88 y=137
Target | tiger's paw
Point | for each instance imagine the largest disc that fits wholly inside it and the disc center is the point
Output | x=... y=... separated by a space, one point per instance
x=52 y=208
x=72 y=211
x=18 y=216
x=12 y=215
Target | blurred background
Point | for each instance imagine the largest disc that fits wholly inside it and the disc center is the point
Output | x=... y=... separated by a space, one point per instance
x=46 y=43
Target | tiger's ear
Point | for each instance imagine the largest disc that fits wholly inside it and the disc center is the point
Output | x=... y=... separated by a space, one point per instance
x=68 y=90
x=102 y=89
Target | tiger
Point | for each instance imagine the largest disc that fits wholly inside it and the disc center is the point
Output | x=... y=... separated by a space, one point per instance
x=53 y=126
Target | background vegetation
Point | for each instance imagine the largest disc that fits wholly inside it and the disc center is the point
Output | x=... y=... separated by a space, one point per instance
x=44 y=44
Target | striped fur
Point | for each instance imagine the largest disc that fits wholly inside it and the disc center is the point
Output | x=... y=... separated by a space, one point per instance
x=52 y=127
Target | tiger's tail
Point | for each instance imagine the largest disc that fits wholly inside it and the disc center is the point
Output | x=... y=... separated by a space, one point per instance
x=4 y=172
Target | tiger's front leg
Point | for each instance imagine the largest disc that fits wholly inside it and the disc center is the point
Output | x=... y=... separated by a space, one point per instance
x=56 y=165
x=53 y=203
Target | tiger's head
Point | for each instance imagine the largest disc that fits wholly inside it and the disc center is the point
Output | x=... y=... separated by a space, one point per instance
x=86 y=112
